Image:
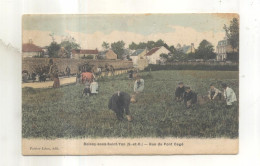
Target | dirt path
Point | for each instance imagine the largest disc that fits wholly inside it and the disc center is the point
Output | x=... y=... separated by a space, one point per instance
x=63 y=81
x=48 y=84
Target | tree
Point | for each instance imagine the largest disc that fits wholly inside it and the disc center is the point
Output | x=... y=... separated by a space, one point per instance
x=118 y=48
x=232 y=33
x=149 y=45
x=105 y=45
x=205 y=51
x=164 y=56
x=53 y=49
x=159 y=43
x=132 y=46
x=69 y=44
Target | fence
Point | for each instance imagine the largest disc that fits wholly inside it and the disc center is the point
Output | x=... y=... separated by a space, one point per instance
x=29 y=63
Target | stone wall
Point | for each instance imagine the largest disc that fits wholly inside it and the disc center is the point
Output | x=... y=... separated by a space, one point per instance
x=29 y=63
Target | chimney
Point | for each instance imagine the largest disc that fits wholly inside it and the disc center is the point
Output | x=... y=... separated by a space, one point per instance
x=30 y=41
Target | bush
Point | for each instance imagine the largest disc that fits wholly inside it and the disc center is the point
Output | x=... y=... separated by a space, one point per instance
x=229 y=67
x=88 y=57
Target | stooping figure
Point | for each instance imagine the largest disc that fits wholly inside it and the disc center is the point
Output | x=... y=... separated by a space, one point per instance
x=229 y=95
x=94 y=87
x=179 y=92
x=214 y=93
x=119 y=103
x=190 y=97
x=138 y=85
x=86 y=90
x=87 y=76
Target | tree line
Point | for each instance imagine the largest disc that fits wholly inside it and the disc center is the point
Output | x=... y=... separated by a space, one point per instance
x=205 y=50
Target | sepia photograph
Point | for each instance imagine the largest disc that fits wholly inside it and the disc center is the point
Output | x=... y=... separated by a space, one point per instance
x=111 y=84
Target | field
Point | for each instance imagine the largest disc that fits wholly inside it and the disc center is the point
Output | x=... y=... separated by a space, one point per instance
x=64 y=113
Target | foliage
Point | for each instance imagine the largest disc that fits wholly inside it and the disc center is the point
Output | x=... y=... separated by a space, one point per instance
x=205 y=51
x=233 y=56
x=149 y=45
x=69 y=44
x=232 y=33
x=105 y=45
x=53 y=49
x=228 y=67
x=88 y=57
x=64 y=113
x=164 y=56
x=118 y=48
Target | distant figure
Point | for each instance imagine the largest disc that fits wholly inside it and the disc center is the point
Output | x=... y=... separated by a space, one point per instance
x=179 y=92
x=112 y=70
x=138 y=85
x=37 y=78
x=119 y=103
x=130 y=74
x=87 y=76
x=25 y=76
x=56 y=83
x=86 y=90
x=78 y=78
x=67 y=70
x=94 y=87
x=214 y=93
x=33 y=76
x=190 y=97
x=99 y=71
x=229 y=95
x=42 y=77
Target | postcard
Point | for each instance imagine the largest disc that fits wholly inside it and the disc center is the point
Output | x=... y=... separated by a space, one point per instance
x=130 y=84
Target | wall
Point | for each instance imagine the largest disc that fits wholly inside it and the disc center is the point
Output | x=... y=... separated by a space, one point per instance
x=29 y=63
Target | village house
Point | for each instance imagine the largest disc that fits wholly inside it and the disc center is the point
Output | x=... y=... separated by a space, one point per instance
x=31 y=50
x=139 y=59
x=222 y=49
x=186 y=49
x=153 y=56
x=108 y=54
x=91 y=54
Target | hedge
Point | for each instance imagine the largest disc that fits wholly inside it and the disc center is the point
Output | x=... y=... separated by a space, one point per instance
x=227 y=67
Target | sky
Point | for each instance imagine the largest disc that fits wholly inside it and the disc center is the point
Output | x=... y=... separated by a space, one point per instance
x=91 y=30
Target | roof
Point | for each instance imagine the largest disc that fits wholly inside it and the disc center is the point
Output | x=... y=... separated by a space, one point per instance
x=137 y=52
x=85 y=51
x=153 y=50
x=29 y=47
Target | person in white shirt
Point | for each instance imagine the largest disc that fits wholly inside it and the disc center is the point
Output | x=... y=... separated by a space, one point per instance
x=229 y=95
x=94 y=87
x=139 y=85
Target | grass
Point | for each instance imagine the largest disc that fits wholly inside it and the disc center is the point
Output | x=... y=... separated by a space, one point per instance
x=63 y=113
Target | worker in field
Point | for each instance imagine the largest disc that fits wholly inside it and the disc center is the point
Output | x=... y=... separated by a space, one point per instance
x=190 y=97
x=130 y=74
x=179 y=92
x=119 y=103
x=87 y=76
x=56 y=83
x=94 y=87
x=138 y=85
x=86 y=91
x=214 y=93
x=229 y=95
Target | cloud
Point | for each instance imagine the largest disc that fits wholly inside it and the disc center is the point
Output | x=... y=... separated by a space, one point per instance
x=182 y=35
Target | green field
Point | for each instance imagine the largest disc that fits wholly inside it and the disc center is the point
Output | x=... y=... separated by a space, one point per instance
x=64 y=113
